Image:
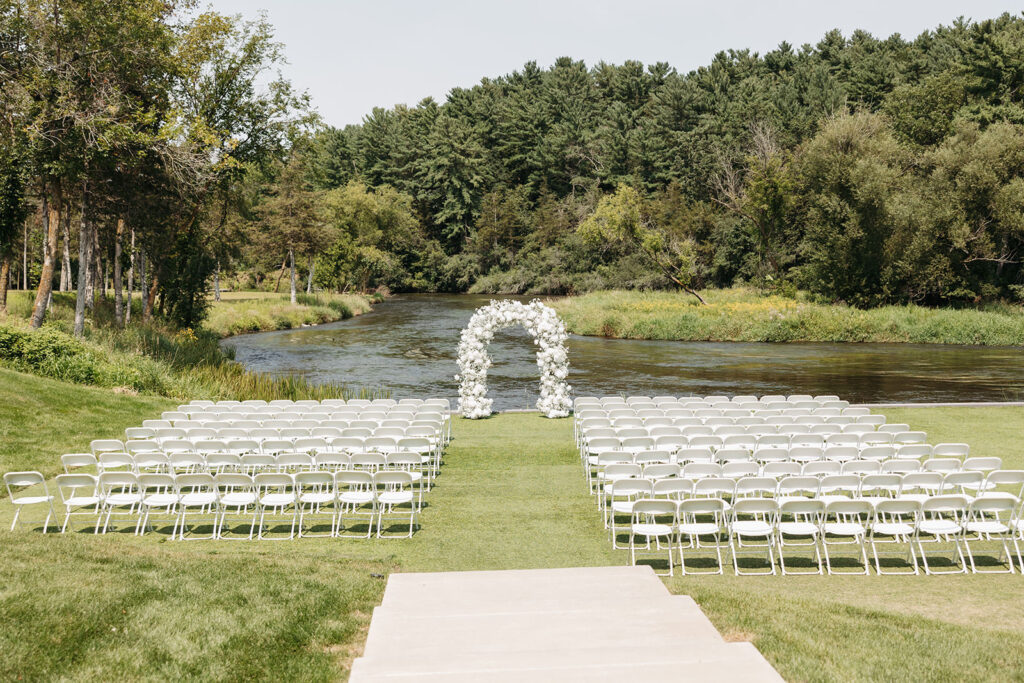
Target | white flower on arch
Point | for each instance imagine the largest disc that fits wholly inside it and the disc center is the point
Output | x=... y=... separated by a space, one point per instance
x=548 y=332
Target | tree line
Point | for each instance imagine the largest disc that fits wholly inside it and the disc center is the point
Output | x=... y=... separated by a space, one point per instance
x=145 y=144
x=867 y=170
x=129 y=127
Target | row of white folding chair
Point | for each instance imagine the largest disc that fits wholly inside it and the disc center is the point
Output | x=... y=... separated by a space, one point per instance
x=694 y=426
x=337 y=402
x=977 y=481
x=293 y=496
x=262 y=441
x=714 y=399
x=767 y=526
x=878 y=448
x=161 y=436
x=696 y=467
x=786 y=438
x=252 y=462
x=175 y=416
x=720 y=414
x=621 y=483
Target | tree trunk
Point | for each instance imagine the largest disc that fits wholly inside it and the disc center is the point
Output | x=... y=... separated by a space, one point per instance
x=65 y=262
x=143 y=285
x=309 y=278
x=147 y=313
x=284 y=263
x=131 y=280
x=5 y=272
x=291 y=261
x=51 y=226
x=118 y=293
x=84 y=261
x=216 y=282
x=24 y=255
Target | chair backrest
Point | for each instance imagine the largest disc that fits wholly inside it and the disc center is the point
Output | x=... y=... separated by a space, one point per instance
x=948 y=504
x=108 y=481
x=233 y=482
x=392 y=479
x=822 y=468
x=654 y=507
x=951 y=450
x=674 y=488
x=18 y=482
x=777 y=470
x=268 y=481
x=714 y=487
x=368 y=461
x=737 y=470
x=897 y=507
x=309 y=480
x=98 y=446
x=901 y=465
x=72 y=461
x=941 y=465
x=766 y=507
x=801 y=484
x=802 y=508
x=982 y=464
x=849 y=508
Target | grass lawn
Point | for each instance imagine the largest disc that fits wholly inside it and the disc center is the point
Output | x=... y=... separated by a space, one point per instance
x=511 y=495
x=740 y=314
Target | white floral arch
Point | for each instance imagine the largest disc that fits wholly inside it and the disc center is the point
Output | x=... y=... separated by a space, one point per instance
x=548 y=333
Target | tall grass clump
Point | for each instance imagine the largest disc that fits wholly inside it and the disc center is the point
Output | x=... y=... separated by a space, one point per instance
x=150 y=358
x=741 y=314
x=259 y=312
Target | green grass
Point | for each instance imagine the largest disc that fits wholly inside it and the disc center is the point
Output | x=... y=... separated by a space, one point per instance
x=511 y=495
x=746 y=315
x=241 y=312
x=152 y=358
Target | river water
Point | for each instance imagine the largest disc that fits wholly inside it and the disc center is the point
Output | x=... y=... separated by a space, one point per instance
x=407 y=345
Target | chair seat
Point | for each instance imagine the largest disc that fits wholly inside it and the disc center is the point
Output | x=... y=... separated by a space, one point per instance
x=81 y=501
x=160 y=500
x=31 y=500
x=987 y=527
x=277 y=499
x=938 y=527
x=317 y=498
x=395 y=497
x=238 y=499
x=699 y=529
x=356 y=497
x=123 y=499
x=652 y=529
x=892 y=528
x=799 y=528
x=198 y=499
x=844 y=529
x=751 y=528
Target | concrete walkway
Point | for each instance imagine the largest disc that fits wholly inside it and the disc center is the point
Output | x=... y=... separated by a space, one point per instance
x=586 y=624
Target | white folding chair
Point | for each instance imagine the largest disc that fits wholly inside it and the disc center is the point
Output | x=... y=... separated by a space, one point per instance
x=316 y=500
x=236 y=495
x=752 y=525
x=941 y=521
x=700 y=521
x=894 y=523
x=22 y=489
x=275 y=493
x=799 y=526
x=198 y=492
x=655 y=522
x=846 y=523
x=356 y=500
x=395 y=500
x=989 y=520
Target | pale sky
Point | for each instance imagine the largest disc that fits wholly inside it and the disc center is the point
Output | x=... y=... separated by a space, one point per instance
x=353 y=56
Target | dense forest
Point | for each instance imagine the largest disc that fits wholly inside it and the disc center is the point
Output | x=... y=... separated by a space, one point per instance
x=867 y=170
x=139 y=149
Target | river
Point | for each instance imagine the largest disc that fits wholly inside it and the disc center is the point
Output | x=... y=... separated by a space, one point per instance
x=407 y=345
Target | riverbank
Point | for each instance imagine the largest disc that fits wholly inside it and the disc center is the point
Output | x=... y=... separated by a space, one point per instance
x=153 y=359
x=158 y=609
x=245 y=312
x=745 y=315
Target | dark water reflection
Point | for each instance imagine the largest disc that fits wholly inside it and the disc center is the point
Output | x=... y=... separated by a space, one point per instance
x=407 y=344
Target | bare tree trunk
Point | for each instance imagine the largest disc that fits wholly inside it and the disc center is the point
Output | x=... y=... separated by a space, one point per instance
x=131 y=280
x=284 y=263
x=291 y=261
x=5 y=272
x=147 y=312
x=143 y=285
x=51 y=226
x=84 y=262
x=309 y=278
x=65 y=262
x=216 y=282
x=24 y=256
x=118 y=292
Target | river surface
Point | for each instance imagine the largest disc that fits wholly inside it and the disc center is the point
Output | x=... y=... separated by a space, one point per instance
x=408 y=345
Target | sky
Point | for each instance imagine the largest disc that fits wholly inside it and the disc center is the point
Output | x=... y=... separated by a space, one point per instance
x=353 y=56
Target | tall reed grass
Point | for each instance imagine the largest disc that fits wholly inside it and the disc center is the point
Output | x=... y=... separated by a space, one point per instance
x=747 y=315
